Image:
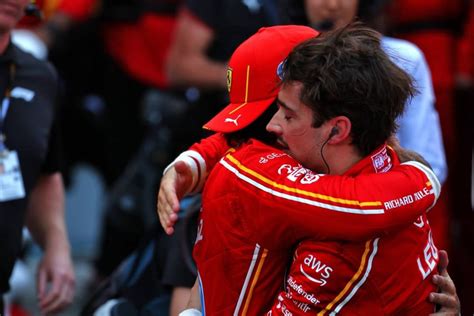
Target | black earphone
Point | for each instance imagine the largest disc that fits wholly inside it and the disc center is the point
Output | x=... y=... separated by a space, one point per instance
x=33 y=10
x=334 y=131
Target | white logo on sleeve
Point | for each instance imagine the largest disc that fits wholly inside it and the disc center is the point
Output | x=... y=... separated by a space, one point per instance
x=23 y=93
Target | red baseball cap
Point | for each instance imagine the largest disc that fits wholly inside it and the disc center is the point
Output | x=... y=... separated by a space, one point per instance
x=252 y=78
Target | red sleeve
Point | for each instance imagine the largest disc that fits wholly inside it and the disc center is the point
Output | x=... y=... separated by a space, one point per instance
x=211 y=149
x=328 y=207
x=202 y=157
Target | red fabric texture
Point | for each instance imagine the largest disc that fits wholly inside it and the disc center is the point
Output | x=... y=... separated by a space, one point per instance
x=445 y=55
x=141 y=48
x=254 y=199
x=78 y=10
x=406 y=11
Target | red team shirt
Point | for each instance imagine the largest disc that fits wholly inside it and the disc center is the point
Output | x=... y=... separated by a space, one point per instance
x=258 y=203
x=389 y=275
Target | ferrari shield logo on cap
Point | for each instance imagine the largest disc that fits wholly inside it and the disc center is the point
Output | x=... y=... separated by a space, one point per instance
x=229 y=78
x=252 y=75
x=280 y=69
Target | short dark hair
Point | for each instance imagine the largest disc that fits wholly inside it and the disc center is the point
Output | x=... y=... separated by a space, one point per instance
x=346 y=72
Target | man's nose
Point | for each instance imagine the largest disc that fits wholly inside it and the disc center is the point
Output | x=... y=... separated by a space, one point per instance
x=273 y=126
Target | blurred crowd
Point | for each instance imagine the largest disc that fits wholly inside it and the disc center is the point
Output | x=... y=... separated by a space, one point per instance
x=139 y=78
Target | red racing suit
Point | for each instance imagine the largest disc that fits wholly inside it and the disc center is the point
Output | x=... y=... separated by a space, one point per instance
x=258 y=203
x=388 y=275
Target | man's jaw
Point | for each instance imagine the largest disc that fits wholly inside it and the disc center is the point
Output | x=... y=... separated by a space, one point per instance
x=282 y=145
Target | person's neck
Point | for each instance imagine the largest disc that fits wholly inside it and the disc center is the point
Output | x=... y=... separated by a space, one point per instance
x=342 y=159
x=4 y=41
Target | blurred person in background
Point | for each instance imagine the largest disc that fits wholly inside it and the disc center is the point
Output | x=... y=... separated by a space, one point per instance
x=31 y=190
x=207 y=33
x=118 y=49
x=129 y=41
x=463 y=254
x=111 y=56
x=436 y=27
x=444 y=30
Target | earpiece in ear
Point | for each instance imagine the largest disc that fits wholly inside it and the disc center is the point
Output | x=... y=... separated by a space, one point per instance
x=334 y=131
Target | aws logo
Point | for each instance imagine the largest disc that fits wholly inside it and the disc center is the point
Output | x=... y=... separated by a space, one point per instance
x=229 y=78
x=316 y=267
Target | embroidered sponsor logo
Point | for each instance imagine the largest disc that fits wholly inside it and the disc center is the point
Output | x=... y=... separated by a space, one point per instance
x=231 y=120
x=378 y=162
x=324 y=271
x=285 y=311
x=429 y=259
x=295 y=173
x=381 y=161
x=407 y=199
x=293 y=286
x=421 y=194
x=280 y=69
x=267 y=158
x=420 y=223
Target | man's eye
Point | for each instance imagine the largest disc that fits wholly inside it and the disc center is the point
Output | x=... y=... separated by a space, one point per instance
x=287 y=118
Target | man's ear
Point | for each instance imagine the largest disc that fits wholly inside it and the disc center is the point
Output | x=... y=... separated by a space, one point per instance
x=340 y=129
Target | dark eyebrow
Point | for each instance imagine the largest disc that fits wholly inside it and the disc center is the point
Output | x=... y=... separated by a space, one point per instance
x=284 y=105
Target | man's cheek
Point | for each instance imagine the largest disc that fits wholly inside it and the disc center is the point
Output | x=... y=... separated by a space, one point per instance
x=298 y=131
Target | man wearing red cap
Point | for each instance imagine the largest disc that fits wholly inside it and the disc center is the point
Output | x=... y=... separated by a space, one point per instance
x=249 y=287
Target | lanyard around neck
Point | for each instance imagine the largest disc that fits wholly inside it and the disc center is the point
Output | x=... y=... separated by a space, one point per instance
x=6 y=99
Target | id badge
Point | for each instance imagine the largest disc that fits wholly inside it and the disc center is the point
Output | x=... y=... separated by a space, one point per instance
x=11 y=181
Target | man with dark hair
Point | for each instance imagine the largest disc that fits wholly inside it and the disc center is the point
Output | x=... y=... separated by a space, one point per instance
x=346 y=73
x=351 y=90
x=258 y=184
x=419 y=126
